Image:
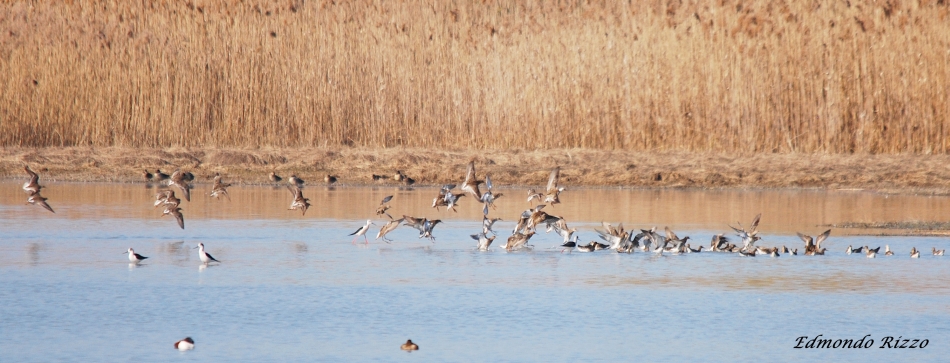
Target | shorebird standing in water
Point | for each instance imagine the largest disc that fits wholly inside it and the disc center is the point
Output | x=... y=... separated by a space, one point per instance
x=362 y=232
x=205 y=257
x=220 y=188
x=937 y=252
x=135 y=257
x=914 y=253
x=178 y=179
x=274 y=178
x=32 y=186
x=185 y=344
x=294 y=180
x=299 y=201
x=159 y=176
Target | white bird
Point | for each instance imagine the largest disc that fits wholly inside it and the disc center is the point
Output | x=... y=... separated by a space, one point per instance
x=205 y=257
x=135 y=257
x=362 y=232
x=185 y=344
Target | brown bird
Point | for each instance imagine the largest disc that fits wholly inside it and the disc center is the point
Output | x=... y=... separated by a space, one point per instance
x=165 y=198
x=159 y=176
x=274 y=178
x=175 y=211
x=553 y=191
x=814 y=245
x=299 y=201
x=32 y=186
x=518 y=240
x=409 y=345
x=388 y=227
x=220 y=188
x=178 y=179
x=329 y=179
x=383 y=207
x=296 y=181
x=146 y=175
x=37 y=199
x=470 y=185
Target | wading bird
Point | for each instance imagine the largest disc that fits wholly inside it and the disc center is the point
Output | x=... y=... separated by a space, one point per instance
x=362 y=232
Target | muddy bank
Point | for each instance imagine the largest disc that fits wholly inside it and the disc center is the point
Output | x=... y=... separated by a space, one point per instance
x=580 y=167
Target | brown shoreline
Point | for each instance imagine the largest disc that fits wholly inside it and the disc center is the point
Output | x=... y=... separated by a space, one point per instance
x=580 y=167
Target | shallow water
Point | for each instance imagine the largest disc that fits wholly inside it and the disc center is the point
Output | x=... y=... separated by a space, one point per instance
x=294 y=288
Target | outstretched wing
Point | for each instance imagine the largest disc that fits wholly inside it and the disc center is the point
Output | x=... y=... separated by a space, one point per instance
x=552 y=179
x=386 y=200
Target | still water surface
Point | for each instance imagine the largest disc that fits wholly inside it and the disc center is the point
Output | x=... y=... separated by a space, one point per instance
x=294 y=288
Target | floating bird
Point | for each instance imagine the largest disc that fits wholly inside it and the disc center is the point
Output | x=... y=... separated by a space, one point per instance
x=383 y=207
x=470 y=185
x=205 y=256
x=409 y=345
x=811 y=245
x=220 y=188
x=388 y=227
x=748 y=254
x=427 y=227
x=294 y=180
x=329 y=179
x=362 y=232
x=914 y=253
x=693 y=250
x=299 y=201
x=937 y=252
x=160 y=176
x=178 y=179
x=135 y=257
x=146 y=175
x=679 y=243
x=718 y=242
x=887 y=250
x=36 y=199
x=175 y=211
x=32 y=186
x=589 y=247
x=855 y=250
x=185 y=344
x=274 y=178
x=871 y=253
x=483 y=241
x=876 y=250
x=518 y=241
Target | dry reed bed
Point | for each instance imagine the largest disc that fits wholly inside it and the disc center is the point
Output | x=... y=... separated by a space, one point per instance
x=735 y=76
x=580 y=167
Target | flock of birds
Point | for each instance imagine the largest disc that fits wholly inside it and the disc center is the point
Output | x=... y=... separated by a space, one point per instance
x=614 y=238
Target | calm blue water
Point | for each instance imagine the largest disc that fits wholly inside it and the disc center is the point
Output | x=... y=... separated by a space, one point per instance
x=296 y=289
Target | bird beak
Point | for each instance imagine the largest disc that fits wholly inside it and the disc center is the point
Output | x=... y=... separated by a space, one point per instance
x=194 y=247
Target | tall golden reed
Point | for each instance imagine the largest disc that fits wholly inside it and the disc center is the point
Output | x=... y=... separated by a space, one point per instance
x=824 y=76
